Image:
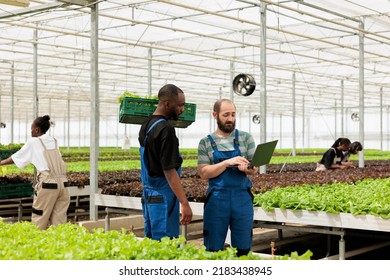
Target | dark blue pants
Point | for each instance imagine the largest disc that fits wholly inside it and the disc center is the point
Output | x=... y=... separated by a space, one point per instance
x=161 y=213
x=228 y=208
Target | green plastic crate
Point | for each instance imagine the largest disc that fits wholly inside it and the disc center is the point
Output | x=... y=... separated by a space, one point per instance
x=136 y=110
x=16 y=190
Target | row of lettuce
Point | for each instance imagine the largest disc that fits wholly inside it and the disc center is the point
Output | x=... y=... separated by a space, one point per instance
x=24 y=241
x=365 y=197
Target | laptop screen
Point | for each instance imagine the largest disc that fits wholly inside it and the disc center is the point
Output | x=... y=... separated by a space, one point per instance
x=263 y=153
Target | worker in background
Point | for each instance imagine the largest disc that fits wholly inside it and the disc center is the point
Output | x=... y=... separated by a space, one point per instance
x=354 y=149
x=161 y=166
x=51 y=197
x=332 y=158
x=223 y=159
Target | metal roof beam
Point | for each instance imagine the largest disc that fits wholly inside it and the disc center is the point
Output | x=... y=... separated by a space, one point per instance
x=40 y=8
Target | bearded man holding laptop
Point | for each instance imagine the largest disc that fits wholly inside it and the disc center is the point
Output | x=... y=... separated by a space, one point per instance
x=224 y=158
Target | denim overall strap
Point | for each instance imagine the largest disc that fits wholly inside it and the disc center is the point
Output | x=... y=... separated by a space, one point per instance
x=144 y=159
x=231 y=177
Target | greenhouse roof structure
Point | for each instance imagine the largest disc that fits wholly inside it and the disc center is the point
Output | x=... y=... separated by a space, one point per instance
x=321 y=53
x=74 y=58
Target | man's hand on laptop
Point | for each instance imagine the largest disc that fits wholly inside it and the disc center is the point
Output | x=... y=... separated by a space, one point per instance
x=237 y=161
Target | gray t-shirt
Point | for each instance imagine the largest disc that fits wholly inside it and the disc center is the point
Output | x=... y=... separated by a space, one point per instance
x=246 y=143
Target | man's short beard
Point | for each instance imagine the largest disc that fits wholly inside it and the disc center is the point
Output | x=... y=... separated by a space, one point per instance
x=173 y=115
x=225 y=129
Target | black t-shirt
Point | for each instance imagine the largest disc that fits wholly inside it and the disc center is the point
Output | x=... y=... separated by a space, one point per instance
x=162 y=146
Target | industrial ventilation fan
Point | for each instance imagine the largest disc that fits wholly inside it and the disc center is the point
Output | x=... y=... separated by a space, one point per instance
x=256 y=119
x=244 y=84
x=355 y=117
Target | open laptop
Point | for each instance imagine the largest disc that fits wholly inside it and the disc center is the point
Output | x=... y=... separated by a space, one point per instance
x=263 y=154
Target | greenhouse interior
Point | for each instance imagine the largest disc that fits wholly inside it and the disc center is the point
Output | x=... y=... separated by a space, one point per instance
x=303 y=72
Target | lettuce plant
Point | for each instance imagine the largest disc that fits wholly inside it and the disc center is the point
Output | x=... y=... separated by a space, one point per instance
x=24 y=241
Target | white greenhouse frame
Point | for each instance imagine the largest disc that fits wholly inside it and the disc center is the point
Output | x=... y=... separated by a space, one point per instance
x=73 y=58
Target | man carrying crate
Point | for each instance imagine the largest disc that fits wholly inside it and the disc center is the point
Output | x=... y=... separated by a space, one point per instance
x=160 y=168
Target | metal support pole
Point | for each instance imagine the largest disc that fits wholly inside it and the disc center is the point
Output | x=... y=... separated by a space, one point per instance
x=263 y=77
x=68 y=120
x=231 y=81
x=280 y=131
x=35 y=83
x=303 y=124
x=308 y=132
x=342 y=108
x=346 y=123
x=20 y=211
x=107 y=221
x=341 y=248
x=19 y=129
x=335 y=120
x=76 y=210
x=381 y=117
x=12 y=101
x=361 y=93
x=250 y=122
x=49 y=112
x=329 y=245
x=64 y=129
x=184 y=232
x=294 y=153
x=150 y=72
x=35 y=75
x=26 y=128
x=79 y=127
x=211 y=122
x=387 y=126
x=95 y=112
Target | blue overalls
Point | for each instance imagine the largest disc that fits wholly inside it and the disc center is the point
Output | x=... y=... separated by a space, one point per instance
x=160 y=206
x=229 y=202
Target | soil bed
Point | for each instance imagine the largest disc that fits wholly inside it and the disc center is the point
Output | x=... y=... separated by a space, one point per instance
x=293 y=175
x=128 y=183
